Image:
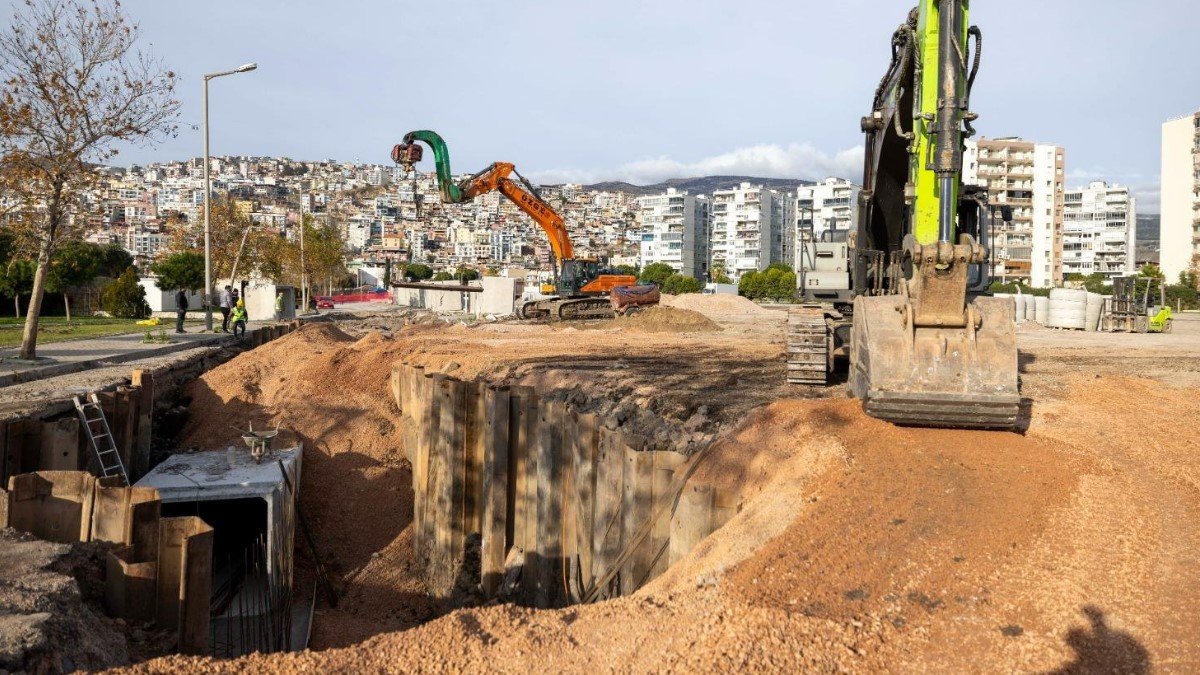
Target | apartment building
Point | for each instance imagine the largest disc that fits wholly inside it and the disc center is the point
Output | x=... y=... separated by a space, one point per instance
x=828 y=204
x=1179 y=239
x=1028 y=177
x=675 y=230
x=1099 y=231
x=748 y=228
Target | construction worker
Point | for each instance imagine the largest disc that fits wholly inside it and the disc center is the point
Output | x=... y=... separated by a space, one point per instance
x=180 y=309
x=239 y=319
x=279 y=305
x=226 y=307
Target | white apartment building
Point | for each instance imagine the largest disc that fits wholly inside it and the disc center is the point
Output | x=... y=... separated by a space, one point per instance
x=1099 y=231
x=1028 y=177
x=675 y=231
x=1179 y=240
x=830 y=203
x=748 y=225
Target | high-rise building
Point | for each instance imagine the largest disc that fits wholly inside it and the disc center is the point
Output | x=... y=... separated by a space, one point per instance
x=675 y=231
x=748 y=224
x=1099 y=231
x=1028 y=177
x=829 y=204
x=1179 y=239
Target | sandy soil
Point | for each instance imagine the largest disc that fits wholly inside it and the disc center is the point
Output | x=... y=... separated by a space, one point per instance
x=859 y=547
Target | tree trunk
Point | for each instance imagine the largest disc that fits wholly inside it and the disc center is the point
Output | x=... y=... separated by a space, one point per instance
x=32 y=316
x=17 y=301
x=67 y=304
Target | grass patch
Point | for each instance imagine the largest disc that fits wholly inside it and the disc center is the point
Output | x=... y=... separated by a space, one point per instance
x=56 y=329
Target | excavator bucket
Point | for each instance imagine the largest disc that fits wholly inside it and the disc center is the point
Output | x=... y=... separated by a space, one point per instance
x=942 y=377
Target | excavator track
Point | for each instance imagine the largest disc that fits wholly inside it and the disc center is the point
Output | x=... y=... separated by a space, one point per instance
x=559 y=309
x=583 y=308
x=807 y=346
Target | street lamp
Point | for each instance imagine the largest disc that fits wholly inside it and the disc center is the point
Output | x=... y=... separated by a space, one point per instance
x=206 y=299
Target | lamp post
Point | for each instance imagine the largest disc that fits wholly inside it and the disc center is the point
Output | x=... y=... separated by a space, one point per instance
x=206 y=298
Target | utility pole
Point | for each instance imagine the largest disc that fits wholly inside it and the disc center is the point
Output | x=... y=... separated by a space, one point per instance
x=303 y=269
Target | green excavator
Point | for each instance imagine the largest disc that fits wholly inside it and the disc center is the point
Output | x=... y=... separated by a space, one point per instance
x=903 y=293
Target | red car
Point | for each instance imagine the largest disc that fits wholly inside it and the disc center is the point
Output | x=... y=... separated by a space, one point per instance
x=324 y=302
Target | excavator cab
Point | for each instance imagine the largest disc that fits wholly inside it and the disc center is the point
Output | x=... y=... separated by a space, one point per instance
x=576 y=274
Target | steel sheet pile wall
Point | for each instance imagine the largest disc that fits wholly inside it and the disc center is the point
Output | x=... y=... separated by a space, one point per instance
x=556 y=507
x=161 y=571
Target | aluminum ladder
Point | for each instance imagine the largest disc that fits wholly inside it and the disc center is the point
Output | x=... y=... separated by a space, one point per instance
x=91 y=415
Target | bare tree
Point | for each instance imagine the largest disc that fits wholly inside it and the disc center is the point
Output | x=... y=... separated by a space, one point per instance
x=74 y=85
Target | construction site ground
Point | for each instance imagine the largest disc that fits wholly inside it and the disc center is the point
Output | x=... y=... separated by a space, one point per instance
x=1071 y=547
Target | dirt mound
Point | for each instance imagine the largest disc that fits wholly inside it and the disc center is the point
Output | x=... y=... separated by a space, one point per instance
x=865 y=547
x=46 y=626
x=664 y=320
x=716 y=305
x=330 y=392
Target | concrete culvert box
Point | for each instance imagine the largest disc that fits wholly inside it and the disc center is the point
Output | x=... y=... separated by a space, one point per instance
x=253 y=514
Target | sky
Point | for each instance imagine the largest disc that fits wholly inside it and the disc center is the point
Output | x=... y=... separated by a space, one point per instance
x=644 y=90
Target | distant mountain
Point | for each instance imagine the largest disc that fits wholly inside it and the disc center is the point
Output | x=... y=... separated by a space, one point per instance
x=705 y=185
x=1148 y=227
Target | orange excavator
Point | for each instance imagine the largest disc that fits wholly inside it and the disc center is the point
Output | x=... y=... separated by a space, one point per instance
x=581 y=289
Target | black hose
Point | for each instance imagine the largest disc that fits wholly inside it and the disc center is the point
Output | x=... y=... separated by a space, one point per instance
x=973 y=30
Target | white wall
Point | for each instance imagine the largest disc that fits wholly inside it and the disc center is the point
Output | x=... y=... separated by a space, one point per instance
x=500 y=295
x=1178 y=184
x=164 y=301
x=260 y=301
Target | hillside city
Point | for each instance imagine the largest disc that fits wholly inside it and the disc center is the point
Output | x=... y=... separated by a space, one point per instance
x=1057 y=230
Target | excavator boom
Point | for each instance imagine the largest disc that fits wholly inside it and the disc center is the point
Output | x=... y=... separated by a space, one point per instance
x=577 y=279
x=920 y=352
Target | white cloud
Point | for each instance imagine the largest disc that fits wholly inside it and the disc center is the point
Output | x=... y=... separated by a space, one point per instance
x=798 y=160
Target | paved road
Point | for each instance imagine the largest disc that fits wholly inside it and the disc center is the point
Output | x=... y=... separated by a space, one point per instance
x=71 y=356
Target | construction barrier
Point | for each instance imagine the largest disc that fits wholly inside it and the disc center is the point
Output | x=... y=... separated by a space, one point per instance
x=562 y=509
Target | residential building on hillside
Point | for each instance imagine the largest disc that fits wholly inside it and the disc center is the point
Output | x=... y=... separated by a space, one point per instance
x=1179 y=238
x=828 y=204
x=1028 y=177
x=675 y=230
x=748 y=224
x=1099 y=231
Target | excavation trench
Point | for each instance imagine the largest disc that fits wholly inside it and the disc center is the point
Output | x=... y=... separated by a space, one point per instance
x=520 y=497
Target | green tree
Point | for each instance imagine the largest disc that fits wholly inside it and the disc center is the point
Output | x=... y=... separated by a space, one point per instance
x=180 y=271
x=125 y=298
x=1151 y=271
x=443 y=276
x=752 y=285
x=631 y=270
x=387 y=274
x=678 y=284
x=465 y=274
x=417 y=271
x=656 y=273
x=718 y=273
x=75 y=264
x=114 y=259
x=16 y=279
x=74 y=86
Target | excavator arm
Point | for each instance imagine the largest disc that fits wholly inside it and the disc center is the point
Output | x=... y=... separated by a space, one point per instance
x=495 y=177
x=922 y=351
